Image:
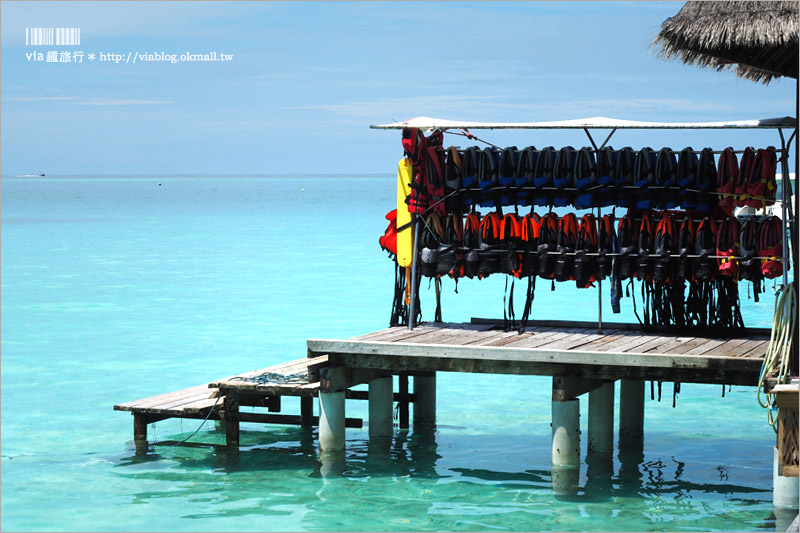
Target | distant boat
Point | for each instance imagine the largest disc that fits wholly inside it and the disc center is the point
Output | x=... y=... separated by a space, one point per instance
x=37 y=175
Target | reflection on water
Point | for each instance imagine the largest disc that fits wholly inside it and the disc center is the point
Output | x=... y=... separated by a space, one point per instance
x=280 y=475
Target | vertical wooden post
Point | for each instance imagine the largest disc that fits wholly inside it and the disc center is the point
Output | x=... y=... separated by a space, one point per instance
x=307 y=410
x=402 y=402
x=601 y=419
x=331 y=409
x=140 y=433
x=566 y=433
x=380 y=407
x=425 y=401
x=631 y=408
x=230 y=413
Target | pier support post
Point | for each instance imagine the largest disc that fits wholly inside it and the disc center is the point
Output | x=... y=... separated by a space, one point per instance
x=631 y=409
x=380 y=407
x=402 y=399
x=601 y=420
x=785 y=489
x=230 y=413
x=307 y=410
x=425 y=401
x=140 y=434
x=331 y=409
x=566 y=433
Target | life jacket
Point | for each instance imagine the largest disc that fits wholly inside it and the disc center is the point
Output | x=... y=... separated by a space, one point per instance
x=646 y=241
x=585 y=270
x=626 y=163
x=705 y=245
x=435 y=176
x=449 y=260
x=606 y=245
x=684 y=268
x=511 y=237
x=585 y=177
x=742 y=180
x=663 y=246
x=471 y=240
x=563 y=175
x=762 y=186
x=749 y=265
x=543 y=176
x=507 y=175
x=548 y=242
x=644 y=176
x=706 y=181
x=529 y=235
x=526 y=170
x=606 y=176
x=667 y=177
x=470 y=163
x=727 y=176
x=415 y=147
x=770 y=247
x=452 y=179
x=565 y=243
x=489 y=254
x=687 y=177
x=728 y=246
x=627 y=236
x=488 y=166
x=388 y=240
x=430 y=236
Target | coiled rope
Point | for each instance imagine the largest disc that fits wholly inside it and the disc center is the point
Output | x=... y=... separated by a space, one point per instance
x=784 y=322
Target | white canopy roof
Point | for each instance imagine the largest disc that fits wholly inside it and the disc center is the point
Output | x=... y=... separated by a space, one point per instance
x=427 y=123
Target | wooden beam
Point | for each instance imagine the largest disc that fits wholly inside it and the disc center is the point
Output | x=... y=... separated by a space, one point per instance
x=291 y=420
x=570 y=387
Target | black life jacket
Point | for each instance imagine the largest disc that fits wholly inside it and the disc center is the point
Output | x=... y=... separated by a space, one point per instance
x=606 y=176
x=644 y=176
x=728 y=246
x=563 y=176
x=627 y=236
x=472 y=242
x=543 y=176
x=626 y=164
x=529 y=234
x=687 y=177
x=770 y=247
x=435 y=176
x=727 y=177
x=431 y=235
x=489 y=164
x=511 y=237
x=762 y=186
x=666 y=177
x=489 y=254
x=449 y=259
x=565 y=243
x=526 y=170
x=705 y=245
x=585 y=178
x=684 y=268
x=507 y=175
x=415 y=148
x=646 y=241
x=548 y=242
x=452 y=179
x=745 y=168
x=585 y=270
x=606 y=240
x=749 y=266
x=470 y=163
x=664 y=245
x=706 y=181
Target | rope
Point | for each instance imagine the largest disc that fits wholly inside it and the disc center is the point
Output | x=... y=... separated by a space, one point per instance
x=203 y=422
x=784 y=322
x=272 y=377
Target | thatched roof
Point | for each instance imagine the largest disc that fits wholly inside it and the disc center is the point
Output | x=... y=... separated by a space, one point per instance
x=758 y=39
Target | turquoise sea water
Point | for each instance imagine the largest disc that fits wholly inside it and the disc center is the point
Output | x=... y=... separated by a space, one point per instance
x=115 y=289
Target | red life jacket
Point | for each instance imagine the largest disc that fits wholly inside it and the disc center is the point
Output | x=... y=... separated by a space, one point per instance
x=685 y=246
x=705 y=245
x=488 y=256
x=434 y=178
x=762 y=186
x=585 y=270
x=646 y=242
x=388 y=240
x=628 y=236
x=745 y=167
x=727 y=176
x=565 y=243
x=529 y=235
x=548 y=242
x=511 y=237
x=471 y=239
x=770 y=247
x=663 y=246
x=605 y=245
x=728 y=245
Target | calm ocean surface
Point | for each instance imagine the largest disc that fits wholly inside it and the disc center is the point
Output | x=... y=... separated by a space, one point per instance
x=115 y=289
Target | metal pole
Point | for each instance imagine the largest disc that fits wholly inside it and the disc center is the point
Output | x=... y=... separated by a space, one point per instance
x=599 y=296
x=412 y=311
x=786 y=182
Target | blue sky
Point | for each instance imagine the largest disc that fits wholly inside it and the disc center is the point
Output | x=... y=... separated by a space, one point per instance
x=308 y=78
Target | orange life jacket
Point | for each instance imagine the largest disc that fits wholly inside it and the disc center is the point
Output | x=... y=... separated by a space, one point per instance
x=663 y=247
x=585 y=270
x=646 y=242
x=388 y=240
x=705 y=245
x=728 y=246
x=745 y=167
x=770 y=247
x=727 y=176
x=762 y=186
x=511 y=236
x=565 y=243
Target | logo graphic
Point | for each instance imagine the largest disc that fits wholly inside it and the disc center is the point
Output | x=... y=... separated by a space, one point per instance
x=52 y=36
